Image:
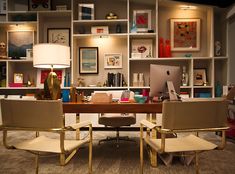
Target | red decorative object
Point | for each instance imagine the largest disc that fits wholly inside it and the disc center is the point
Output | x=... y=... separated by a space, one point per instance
x=167 y=52
x=161 y=47
x=44 y=74
x=15 y=84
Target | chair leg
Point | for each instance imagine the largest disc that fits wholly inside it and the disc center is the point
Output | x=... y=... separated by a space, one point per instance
x=36 y=163
x=141 y=151
x=62 y=159
x=196 y=163
x=90 y=158
x=90 y=153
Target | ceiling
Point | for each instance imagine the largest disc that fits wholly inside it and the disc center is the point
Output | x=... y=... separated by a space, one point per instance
x=218 y=3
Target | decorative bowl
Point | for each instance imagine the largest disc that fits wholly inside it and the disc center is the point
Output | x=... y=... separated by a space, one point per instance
x=140 y=98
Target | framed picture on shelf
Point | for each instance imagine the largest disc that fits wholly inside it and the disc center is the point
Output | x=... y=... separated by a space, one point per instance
x=29 y=54
x=18 y=42
x=185 y=34
x=88 y=60
x=112 y=60
x=86 y=11
x=42 y=5
x=199 y=77
x=142 y=20
x=143 y=47
x=18 y=78
x=3 y=7
x=100 y=30
x=58 y=35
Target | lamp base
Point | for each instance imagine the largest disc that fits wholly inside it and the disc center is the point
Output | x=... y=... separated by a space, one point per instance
x=52 y=88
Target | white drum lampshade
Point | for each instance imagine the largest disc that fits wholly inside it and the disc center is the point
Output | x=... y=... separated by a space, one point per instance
x=49 y=55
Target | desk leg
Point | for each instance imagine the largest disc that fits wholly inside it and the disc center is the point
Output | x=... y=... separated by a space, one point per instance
x=148 y=117
x=78 y=130
x=153 y=153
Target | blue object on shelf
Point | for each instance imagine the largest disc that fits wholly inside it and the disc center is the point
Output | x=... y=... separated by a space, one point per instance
x=203 y=95
x=65 y=95
x=218 y=90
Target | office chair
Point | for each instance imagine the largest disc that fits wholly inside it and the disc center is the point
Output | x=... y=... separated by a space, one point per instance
x=194 y=116
x=117 y=120
x=42 y=116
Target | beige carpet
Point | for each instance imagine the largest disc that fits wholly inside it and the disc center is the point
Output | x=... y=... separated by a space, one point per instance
x=107 y=159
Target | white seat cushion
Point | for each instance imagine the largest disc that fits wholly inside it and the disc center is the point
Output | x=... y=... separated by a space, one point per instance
x=45 y=144
x=182 y=144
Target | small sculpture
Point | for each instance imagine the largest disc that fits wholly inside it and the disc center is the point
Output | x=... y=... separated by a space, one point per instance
x=134 y=28
x=111 y=16
x=81 y=82
x=217 y=48
x=3 y=51
x=118 y=28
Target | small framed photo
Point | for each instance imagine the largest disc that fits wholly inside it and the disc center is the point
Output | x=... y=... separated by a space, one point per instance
x=29 y=54
x=100 y=30
x=199 y=77
x=58 y=35
x=18 y=42
x=142 y=19
x=39 y=5
x=85 y=11
x=112 y=60
x=143 y=47
x=185 y=34
x=18 y=78
x=88 y=60
x=3 y=7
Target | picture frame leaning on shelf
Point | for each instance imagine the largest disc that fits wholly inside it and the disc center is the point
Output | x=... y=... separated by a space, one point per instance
x=86 y=11
x=142 y=20
x=199 y=77
x=142 y=47
x=59 y=35
x=112 y=60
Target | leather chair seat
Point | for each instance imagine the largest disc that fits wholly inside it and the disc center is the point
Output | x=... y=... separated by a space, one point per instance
x=115 y=120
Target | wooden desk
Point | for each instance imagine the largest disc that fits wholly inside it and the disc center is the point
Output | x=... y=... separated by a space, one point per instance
x=112 y=107
x=151 y=109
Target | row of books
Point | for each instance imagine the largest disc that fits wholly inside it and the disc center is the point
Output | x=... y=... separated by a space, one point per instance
x=115 y=80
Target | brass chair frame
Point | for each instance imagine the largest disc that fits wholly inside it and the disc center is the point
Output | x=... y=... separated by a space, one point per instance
x=164 y=142
x=66 y=154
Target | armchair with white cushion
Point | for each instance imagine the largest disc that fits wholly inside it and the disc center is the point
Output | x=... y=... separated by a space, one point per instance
x=42 y=116
x=190 y=117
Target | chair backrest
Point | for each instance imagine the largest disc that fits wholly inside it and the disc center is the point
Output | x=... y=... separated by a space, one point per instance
x=41 y=114
x=194 y=114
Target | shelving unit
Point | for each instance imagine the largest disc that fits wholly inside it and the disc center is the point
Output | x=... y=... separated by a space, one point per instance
x=18 y=17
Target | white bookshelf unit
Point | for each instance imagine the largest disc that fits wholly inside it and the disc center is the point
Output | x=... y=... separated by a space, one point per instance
x=119 y=40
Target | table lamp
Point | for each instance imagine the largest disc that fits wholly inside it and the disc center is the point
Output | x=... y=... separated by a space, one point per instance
x=51 y=56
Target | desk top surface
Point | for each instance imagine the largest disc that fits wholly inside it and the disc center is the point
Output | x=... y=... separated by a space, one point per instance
x=114 y=107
